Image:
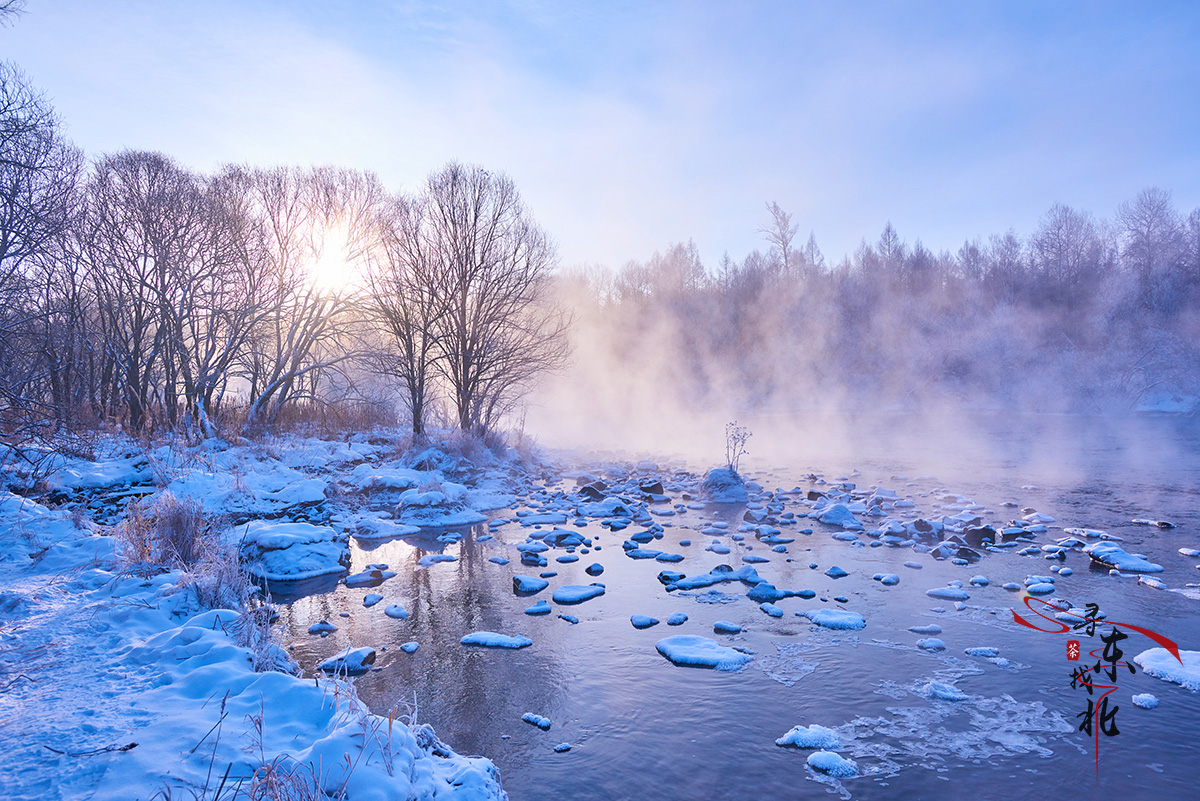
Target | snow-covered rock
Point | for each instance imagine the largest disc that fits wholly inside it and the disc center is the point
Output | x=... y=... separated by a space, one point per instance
x=813 y=736
x=692 y=651
x=349 y=660
x=723 y=485
x=1110 y=554
x=1184 y=671
x=841 y=619
x=490 y=639
x=832 y=764
x=291 y=551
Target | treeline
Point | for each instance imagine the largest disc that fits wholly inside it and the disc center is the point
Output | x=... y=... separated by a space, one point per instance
x=1084 y=314
x=137 y=292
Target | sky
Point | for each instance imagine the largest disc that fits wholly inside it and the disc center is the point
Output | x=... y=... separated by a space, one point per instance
x=629 y=126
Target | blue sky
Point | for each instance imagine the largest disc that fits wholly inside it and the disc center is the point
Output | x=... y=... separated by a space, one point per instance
x=628 y=126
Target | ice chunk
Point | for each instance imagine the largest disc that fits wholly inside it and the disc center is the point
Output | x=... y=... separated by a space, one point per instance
x=577 y=593
x=372 y=598
x=498 y=560
x=677 y=619
x=813 y=736
x=594 y=569
x=932 y=628
x=836 y=572
x=643 y=621
x=841 y=619
x=914 y=565
x=943 y=692
x=1159 y=662
x=323 y=627
x=1145 y=700
x=396 y=610
x=984 y=651
x=542 y=607
x=562 y=748
x=490 y=639
x=410 y=647
x=689 y=650
x=771 y=609
x=833 y=765
x=725 y=627
x=931 y=644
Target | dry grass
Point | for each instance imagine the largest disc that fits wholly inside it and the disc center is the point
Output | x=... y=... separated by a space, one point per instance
x=167 y=532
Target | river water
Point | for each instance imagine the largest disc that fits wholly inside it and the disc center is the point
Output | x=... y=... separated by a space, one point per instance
x=641 y=727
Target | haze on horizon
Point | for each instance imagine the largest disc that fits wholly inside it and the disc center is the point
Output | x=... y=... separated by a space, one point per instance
x=632 y=126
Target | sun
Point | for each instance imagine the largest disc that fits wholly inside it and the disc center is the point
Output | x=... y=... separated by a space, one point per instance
x=332 y=268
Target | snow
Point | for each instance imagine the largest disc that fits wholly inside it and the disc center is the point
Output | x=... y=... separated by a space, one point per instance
x=771 y=609
x=372 y=598
x=562 y=748
x=577 y=593
x=1110 y=554
x=833 y=765
x=692 y=651
x=725 y=627
x=542 y=607
x=840 y=619
x=410 y=647
x=836 y=572
x=677 y=619
x=643 y=621
x=931 y=644
x=490 y=639
x=813 y=736
x=430 y=559
x=1159 y=662
x=396 y=611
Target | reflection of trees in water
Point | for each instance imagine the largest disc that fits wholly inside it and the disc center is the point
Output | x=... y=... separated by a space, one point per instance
x=458 y=688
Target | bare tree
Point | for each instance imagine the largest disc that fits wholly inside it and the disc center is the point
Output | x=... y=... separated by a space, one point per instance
x=1068 y=258
x=500 y=330
x=406 y=297
x=779 y=232
x=1153 y=246
x=298 y=337
x=10 y=10
x=39 y=175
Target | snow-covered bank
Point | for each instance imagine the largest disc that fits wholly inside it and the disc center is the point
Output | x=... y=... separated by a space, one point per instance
x=115 y=684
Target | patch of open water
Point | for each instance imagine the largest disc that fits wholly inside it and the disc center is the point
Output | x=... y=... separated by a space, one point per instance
x=641 y=727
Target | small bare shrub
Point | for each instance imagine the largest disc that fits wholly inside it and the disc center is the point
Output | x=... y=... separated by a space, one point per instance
x=735 y=443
